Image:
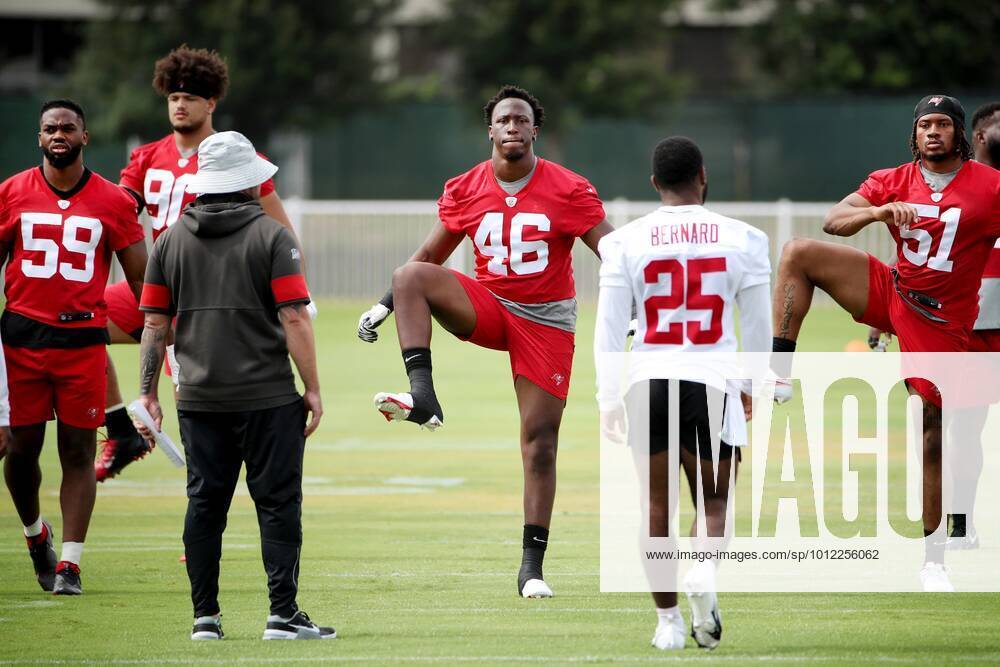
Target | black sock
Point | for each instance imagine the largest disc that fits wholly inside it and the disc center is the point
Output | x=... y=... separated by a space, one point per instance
x=781 y=363
x=418 y=368
x=958 y=526
x=534 y=540
x=933 y=546
x=119 y=424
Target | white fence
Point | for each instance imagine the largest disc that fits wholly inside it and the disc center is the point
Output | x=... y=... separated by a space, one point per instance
x=352 y=247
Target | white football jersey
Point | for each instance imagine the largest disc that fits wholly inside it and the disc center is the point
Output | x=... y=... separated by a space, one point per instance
x=684 y=267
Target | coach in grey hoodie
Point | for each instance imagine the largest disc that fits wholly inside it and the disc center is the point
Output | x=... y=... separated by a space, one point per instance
x=232 y=276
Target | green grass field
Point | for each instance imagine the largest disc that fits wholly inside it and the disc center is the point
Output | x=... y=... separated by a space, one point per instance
x=412 y=543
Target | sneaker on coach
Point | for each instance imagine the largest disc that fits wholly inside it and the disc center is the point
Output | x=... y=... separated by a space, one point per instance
x=297 y=627
x=118 y=453
x=67 y=579
x=207 y=628
x=43 y=557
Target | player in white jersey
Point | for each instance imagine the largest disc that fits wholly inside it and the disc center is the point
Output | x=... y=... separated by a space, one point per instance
x=685 y=268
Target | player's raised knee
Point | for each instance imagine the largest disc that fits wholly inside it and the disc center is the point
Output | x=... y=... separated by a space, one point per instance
x=797 y=251
x=412 y=274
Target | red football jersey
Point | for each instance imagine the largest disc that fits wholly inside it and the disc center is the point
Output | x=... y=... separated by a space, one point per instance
x=61 y=246
x=523 y=242
x=159 y=173
x=992 y=269
x=943 y=255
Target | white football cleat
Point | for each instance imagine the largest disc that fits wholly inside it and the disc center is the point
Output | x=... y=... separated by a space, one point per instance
x=934 y=578
x=706 y=621
x=536 y=588
x=670 y=636
x=397 y=407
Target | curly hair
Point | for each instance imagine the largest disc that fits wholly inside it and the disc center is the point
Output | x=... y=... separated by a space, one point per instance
x=197 y=71
x=508 y=91
x=964 y=147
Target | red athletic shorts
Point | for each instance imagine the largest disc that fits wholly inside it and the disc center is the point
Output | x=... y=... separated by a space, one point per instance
x=70 y=382
x=540 y=353
x=123 y=309
x=887 y=311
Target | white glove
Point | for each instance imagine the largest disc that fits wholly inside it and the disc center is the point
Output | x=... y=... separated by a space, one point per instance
x=370 y=320
x=633 y=326
x=312 y=309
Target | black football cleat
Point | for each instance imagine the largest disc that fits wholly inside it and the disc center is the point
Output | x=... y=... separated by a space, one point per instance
x=118 y=453
x=43 y=557
x=67 y=579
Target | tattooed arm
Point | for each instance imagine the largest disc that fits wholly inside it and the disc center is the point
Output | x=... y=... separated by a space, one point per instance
x=151 y=352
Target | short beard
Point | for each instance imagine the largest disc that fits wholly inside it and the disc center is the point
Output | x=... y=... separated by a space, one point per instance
x=188 y=128
x=937 y=157
x=64 y=160
x=513 y=155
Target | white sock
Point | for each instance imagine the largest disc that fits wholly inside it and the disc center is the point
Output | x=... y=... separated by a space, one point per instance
x=668 y=615
x=112 y=408
x=71 y=552
x=206 y=619
x=35 y=529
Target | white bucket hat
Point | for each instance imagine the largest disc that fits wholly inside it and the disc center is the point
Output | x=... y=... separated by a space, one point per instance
x=227 y=162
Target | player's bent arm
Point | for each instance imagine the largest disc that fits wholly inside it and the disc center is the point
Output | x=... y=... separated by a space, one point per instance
x=854 y=213
x=595 y=234
x=133 y=259
x=438 y=245
x=302 y=348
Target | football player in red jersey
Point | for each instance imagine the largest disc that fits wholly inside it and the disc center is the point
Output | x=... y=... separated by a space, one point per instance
x=193 y=81
x=523 y=215
x=967 y=455
x=943 y=210
x=59 y=225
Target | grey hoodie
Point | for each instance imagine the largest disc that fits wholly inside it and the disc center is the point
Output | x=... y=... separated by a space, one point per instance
x=224 y=270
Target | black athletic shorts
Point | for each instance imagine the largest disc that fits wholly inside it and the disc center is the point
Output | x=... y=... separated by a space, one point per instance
x=695 y=430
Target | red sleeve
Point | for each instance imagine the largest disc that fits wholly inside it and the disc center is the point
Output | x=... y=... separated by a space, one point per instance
x=584 y=209
x=267 y=187
x=155 y=292
x=125 y=229
x=155 y=298
x=6 y=228
x=449 y=212
x=133 y=173
x=290 y=289
x=874 y=189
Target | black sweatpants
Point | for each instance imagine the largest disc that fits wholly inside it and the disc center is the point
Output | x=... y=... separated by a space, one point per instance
x=271 y=444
